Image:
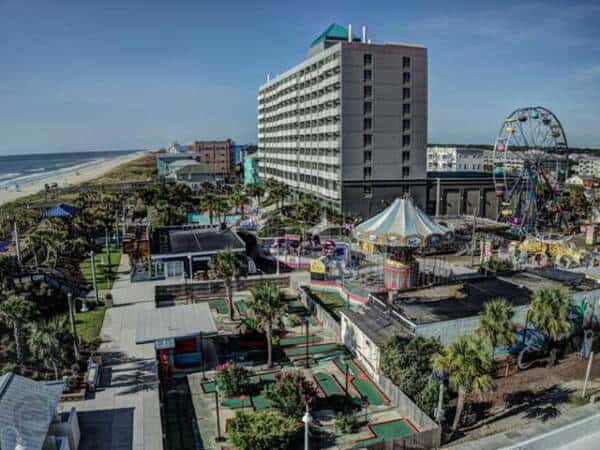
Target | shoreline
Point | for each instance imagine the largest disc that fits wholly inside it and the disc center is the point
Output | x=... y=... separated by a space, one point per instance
x=71 y=177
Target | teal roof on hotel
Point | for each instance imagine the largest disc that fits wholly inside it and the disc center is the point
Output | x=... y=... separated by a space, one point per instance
x=334 y=32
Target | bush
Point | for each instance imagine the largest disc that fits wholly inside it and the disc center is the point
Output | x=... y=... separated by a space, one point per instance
x=264 y=430
x=233 y=379
x=427 y=399
x=295 y=320
x=496 y=265
x=290 y=393
x=345 y=423
x=275 y=340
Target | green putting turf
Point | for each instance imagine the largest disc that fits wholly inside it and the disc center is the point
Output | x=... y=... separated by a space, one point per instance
x=219 y=305
x=312 y=349
x=362 y=383
x=327 y=384
x=210 y=386
x=300 y=340
x=388 y=431
x=237 y=402
x=242 y=306
x=295 y=307
x=260 y=402
x=311 y=320
x=331 y=356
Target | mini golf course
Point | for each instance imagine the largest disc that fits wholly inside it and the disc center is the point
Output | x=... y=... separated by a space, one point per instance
x=299 y=340
x=219 y=305
x=312 y=349
x=264 y=378
x=242 y=307
x=387 y=431
x=361 y=382
x=327 y=384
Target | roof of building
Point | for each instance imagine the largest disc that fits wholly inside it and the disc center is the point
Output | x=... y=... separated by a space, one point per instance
x=173 y=322
x=193 y=241
x=61 y=210
x=334 y=32
x=195 y=167
x=180 y=163
x=376 y=323
x=27 y=408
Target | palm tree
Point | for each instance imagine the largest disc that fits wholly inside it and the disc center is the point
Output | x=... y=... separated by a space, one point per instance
x=221 y=207
x=47 y=342
x=468 y=363
x=239 y=199
x=256 y=191
x=267 y=306
x=549 y=313
x=207 y=204
x=495 y=324
x=14 y=311
x=8 y=269
x=226 y=266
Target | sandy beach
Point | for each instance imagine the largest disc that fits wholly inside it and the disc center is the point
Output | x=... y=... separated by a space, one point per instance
x=66 y=178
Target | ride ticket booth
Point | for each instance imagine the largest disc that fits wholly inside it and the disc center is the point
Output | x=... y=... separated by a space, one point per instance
x=179 y=334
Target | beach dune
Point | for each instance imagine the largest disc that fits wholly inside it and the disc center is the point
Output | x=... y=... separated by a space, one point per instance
x=66 y=178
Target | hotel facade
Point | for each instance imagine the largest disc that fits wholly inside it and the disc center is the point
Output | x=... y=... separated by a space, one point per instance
x=349 y=124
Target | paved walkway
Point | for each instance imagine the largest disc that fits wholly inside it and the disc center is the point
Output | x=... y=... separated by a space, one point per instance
x=125 y=411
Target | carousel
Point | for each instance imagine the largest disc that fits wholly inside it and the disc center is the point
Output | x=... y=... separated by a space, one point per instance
x=397 y=232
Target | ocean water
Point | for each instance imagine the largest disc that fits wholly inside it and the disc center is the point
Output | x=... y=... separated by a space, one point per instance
x=17 y=170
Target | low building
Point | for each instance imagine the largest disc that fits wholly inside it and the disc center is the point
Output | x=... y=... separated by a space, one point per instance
x=184 y=250
x=251 y=170
x=29 y=418
x=456 y=159
x=448 y=311
x=166 y=163
x=193 y=175
x=215 y=154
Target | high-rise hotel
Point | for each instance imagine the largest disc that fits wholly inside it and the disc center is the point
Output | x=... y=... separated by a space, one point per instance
x=349 y=124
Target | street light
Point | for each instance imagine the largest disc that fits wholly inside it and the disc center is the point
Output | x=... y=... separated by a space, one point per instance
x=307 y=419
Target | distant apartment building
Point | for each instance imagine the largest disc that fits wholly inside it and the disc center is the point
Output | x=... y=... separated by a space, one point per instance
x=349 y=124
x=586 y=166
x=456 y=159
x=215 y=154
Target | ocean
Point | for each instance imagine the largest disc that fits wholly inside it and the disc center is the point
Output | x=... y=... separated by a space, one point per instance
x=21 y=169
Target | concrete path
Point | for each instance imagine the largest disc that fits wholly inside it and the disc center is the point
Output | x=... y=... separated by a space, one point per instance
x=125 y=411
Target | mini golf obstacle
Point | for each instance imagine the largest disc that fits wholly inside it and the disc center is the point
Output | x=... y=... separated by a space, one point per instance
x=387 y=431
x=361 y=382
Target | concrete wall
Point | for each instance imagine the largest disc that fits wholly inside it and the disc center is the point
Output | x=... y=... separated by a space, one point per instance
x=365 y=350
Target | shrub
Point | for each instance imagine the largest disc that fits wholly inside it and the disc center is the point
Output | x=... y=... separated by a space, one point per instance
x=295 y=320
x=345 y=423
x=264 y=430
x=290 y=393
x=233 y=379
x=275 y=340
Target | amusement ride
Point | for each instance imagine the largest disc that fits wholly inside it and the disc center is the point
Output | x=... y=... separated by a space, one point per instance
x=530 y=164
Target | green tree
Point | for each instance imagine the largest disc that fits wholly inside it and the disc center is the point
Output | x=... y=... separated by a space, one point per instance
x=222 y=208
x=14 y=312
x=266 y=306
x=226 y=266
x=256 y=191
x=47 y=342
x=549 y=313
x=208 y=204
x=428 y=398
x=290 y=393
x=239 y=199
x=468 y=364
x=233 y=379
x=496 y=325
x=261 y=430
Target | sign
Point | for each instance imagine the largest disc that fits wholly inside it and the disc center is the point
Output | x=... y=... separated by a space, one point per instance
x=164 y=344
x=317 y=266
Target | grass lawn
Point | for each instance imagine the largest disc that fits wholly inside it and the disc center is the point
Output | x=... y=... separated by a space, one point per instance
x=103 y=281
x=89 y=324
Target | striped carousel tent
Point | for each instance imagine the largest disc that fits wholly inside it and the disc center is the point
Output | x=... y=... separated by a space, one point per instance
x=402 y=224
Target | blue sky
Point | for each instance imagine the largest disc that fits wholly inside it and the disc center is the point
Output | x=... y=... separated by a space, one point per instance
x=90 y=75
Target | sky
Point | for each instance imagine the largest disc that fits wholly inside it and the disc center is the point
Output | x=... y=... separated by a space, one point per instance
x=121 y=74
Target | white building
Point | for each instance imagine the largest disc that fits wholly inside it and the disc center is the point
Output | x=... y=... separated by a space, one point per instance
x=586 y=166
x=456 y=159
x=349 y=124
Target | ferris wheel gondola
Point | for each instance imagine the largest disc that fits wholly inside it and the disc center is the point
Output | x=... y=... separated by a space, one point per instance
x=530 y=165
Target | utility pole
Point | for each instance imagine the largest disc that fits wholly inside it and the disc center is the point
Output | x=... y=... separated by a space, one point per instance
x=587 y=374
x=72 y=320
x=438 y=411
x=109 y=266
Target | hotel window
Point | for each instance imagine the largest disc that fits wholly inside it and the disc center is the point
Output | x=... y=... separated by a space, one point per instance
x=367 y=172
x=367 y=59
x=406 y=77
x=405 y=156
x=406 y=140
x=367 y=140
x=406 y=125
x=367 y=156
x=367 y=123
x=405 y=93
x=368 y=75
x=406 y=108
x=368 y=91
x=367 y=107
x=367 y=191
x=405 y=172
x=406 y=62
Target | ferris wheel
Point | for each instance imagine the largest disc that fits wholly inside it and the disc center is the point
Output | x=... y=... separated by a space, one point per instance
x=530 y=165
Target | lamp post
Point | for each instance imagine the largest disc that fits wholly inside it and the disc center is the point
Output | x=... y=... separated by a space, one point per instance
x=219 y=438
x=306 y=346
x=307 y=419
